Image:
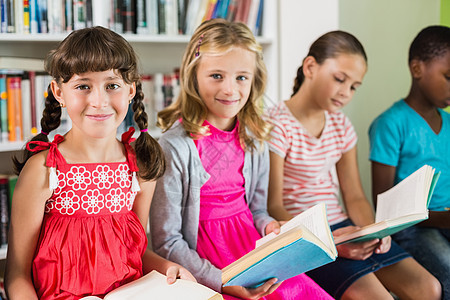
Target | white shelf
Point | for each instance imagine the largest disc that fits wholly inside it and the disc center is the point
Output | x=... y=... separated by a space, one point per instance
x=11 y=146
x=132 y=38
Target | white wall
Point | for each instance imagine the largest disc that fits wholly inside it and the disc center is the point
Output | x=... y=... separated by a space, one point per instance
x=386 y=29
x=300 y=23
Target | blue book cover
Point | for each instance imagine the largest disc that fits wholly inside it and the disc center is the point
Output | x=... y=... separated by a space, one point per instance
x=304 y=243
x=289 y=261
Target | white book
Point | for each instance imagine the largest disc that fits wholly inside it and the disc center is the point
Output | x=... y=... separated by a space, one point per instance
x=253 y=15
x=18 y=16
x=400 y=207
x=101 y=12
x=191 y=16
x=151 y=7
x=41 y=84
x=171 y=14
x=26 y=109
x=154 y=286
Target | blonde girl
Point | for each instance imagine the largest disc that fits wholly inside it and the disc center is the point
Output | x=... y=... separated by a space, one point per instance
x=209 y=208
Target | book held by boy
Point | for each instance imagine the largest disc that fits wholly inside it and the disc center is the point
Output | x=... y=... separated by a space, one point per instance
x=154 y=286
x=400 y=207
x=304 y=243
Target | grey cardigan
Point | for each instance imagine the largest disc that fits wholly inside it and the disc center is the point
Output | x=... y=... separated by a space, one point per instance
x=175 y=208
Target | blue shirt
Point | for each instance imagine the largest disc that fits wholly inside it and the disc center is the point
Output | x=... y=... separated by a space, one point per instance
x=401 y=138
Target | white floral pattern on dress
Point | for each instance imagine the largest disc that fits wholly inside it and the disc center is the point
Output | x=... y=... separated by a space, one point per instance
x=103 y=177
x=78 y=178
x=130 y=199
x=93 y=201
x=115 y=200
x=92 y=190
x=61 y=182
x=123 y=176
x=67 y=203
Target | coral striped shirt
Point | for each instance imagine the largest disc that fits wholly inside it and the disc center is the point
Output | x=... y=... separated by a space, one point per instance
x=309 y=162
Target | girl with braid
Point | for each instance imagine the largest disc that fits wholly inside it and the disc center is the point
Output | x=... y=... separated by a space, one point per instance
x=313 y=159
x=80 y=207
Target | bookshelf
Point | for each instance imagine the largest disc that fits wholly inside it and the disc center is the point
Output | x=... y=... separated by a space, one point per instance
x=157 y=53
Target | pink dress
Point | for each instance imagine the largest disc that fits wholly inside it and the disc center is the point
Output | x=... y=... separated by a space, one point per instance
x=226 y=229
x=91 y=241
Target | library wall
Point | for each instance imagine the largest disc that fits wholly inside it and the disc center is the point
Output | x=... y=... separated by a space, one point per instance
x=386 y=29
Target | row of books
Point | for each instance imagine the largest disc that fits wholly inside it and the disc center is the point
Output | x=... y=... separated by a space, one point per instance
x=170 y=17
x=7 y=184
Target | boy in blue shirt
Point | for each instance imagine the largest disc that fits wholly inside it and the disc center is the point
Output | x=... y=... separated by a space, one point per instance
x=415 y=131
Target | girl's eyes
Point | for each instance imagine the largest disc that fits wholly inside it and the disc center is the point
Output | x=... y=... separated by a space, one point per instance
x=113 y=86
x=240 y=78
x=110 y=86
x=82 y=87
x=338 y=79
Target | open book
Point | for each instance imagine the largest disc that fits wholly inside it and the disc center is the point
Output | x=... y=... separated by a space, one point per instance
x=304 y=243
x=154 y=286
x=402 y=206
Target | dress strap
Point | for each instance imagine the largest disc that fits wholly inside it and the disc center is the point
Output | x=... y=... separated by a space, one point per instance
x=52 y=156
x=127 y=139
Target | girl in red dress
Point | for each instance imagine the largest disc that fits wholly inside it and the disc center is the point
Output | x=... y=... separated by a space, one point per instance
x=80 y=207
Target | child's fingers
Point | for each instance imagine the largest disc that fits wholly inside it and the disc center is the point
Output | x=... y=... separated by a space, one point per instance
x=172 y=274
x=186 y=275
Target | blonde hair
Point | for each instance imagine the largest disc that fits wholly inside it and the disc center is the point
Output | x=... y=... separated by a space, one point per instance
x=218 y=36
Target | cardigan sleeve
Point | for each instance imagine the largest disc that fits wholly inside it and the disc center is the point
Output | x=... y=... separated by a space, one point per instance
x=257 y=190
x=174 y=215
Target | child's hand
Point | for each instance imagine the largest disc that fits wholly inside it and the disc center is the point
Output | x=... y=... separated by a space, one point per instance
x=356 y=251
x=384 y=245
x=241 y=292
x=176 y=271
x=274 y=227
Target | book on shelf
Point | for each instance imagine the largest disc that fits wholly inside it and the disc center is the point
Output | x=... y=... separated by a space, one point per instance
x=3 y=109
x=400 y=207
x=14 y=103
x=304 y=243
x=4 y=209
x=154 y=286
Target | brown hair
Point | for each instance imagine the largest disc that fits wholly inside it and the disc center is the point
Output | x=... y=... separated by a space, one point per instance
x=330 y=45
x=217 y=36
x=98 y=49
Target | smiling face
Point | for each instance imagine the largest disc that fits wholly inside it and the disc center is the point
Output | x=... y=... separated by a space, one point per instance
x=96 y=102
x=336 y=79
x=224 y=84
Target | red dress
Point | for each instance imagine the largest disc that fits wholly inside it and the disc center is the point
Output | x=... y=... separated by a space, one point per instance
x=91 y=241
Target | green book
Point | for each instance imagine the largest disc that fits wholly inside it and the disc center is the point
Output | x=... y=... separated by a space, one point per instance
x=398 y=208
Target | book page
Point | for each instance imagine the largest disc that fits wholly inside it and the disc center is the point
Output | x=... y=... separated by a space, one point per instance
x=154 y=286
x=407 y=197
x=314 y=219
